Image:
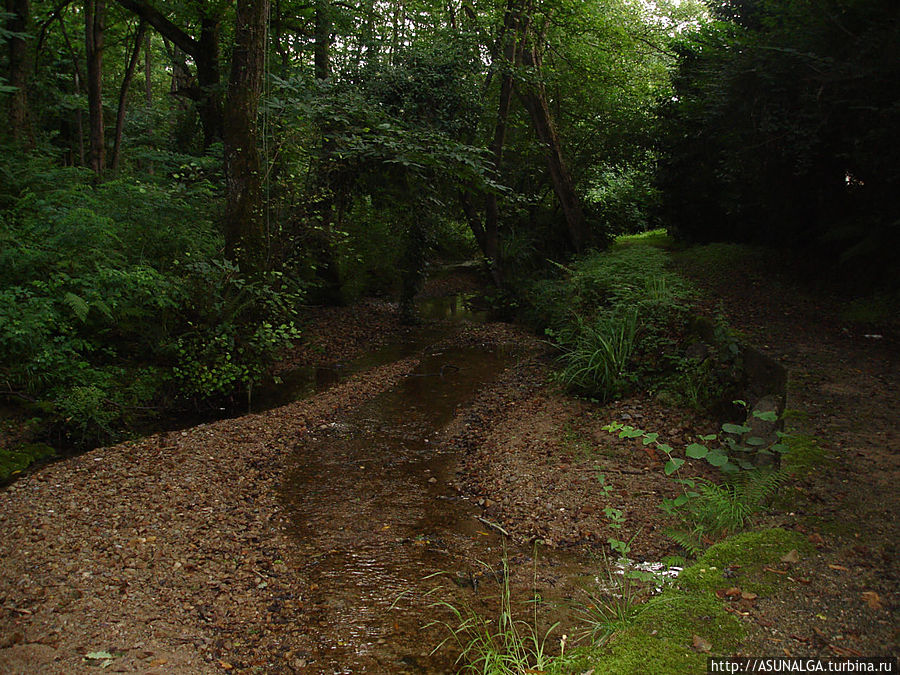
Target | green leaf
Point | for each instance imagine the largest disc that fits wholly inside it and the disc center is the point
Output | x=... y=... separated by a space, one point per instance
x=664 y=447
x=650 y=438
x=756 y=440
x=735 y=428
x=715 y=458
x=673 y=465
x=78 y=306
x=696 y=451
x=768 y=416
x=709 y=437
x=681 y=500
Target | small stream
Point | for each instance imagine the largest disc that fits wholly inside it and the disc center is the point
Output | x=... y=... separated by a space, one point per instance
x=376 y=511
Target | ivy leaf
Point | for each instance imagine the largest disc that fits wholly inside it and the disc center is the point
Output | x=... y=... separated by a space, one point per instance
x=717 y=458
x=673 y=465
x=696 y=451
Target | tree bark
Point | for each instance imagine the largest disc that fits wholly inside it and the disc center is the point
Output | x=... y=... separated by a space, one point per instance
x=19 y=54
x=123 y=94
x=204 y=51
x=94 y=25
x=148 y=72
x=245 y=235
x=322 y=46
x=534 y=98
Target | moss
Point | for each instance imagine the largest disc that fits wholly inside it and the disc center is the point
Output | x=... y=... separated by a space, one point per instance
x=17 y=459
x=748 y=553
x=631 y=652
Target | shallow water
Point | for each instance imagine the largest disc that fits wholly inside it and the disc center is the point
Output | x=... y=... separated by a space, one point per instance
x=376 y=512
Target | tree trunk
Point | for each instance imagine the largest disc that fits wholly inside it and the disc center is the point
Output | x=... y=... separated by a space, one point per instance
x=245 y=235
x=19 y=22
x=204 y=51
x=209 y=102
x=322 y=46
x=148 y=72
x=94 y=24
x=123 y=93
x=534 y=98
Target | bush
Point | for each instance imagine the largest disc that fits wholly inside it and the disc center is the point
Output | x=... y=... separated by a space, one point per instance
x=114 y=299
x=616 y=316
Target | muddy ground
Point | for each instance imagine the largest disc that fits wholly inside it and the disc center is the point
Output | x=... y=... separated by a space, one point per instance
x=177 y=553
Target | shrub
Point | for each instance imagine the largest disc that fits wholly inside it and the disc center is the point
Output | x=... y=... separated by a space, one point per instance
x=114 y=299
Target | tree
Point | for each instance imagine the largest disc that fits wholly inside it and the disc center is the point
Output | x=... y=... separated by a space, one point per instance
x=94 y=28
x=204 y=50
x=783 y=130
x=244 y=223
x=18 y=25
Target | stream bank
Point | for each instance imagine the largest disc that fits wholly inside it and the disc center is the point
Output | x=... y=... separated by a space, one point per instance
x=204 y=550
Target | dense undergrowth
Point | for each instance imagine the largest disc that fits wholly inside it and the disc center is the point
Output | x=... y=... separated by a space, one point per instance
x=116 y=301
x=624 y=321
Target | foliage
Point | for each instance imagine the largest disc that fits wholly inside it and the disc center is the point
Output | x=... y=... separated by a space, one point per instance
x=709 y=510
x=778 y=131
x=113 y=299
x=505 y=646
x=615 y=315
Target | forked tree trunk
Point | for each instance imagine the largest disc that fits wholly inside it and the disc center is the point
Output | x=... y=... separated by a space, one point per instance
x=534 y=98
x=245 y=236
x=123 y=94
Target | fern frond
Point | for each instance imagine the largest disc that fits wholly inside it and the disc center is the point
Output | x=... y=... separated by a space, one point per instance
x=78 y=306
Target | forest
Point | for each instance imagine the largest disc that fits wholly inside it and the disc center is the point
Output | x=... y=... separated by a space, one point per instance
x=665 y=209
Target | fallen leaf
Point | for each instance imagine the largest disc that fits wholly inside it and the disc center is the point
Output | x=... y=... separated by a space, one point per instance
x=791 y=556
x=838 y=567
x=872 y=599
x=816 y=539
x=733 y=592
x=98 y=655
x=746 y=595
x=701 y=645
x=225 y=665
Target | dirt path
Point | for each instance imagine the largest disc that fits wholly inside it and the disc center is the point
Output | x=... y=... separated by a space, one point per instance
x=846 y=382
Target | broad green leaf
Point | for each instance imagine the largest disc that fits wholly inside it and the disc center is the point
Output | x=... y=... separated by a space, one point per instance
x=755 y=440
x=768 y=416
x=650 y=438
x=735 y=428
x=719 y=459
x=673 y=465
x=664 y=447
x=709 y=437
x=696 y=451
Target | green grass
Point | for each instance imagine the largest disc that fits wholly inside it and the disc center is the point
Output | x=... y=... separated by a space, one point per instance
x=656 y=238
x=654 y=637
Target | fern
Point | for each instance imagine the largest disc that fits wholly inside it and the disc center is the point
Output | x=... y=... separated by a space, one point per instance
x=78 y=306
x=718 y=509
